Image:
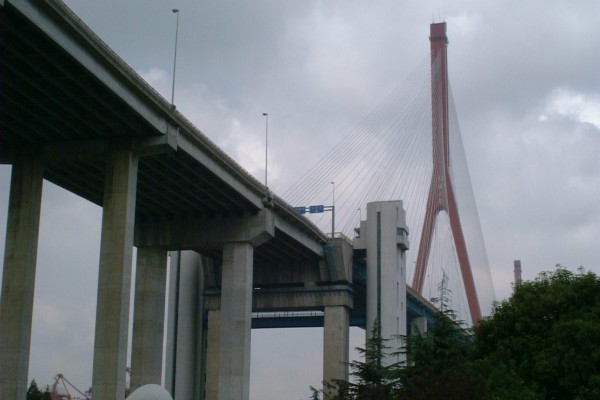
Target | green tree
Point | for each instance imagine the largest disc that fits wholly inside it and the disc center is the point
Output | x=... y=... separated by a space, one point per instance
x=374 y=379
x=47 y=395
x=34 y=392
x=438 y=364
x=544 y=341
x=435 y=364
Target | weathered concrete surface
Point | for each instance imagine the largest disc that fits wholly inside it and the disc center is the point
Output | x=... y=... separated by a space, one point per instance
x=183 y=366
x=212 y=355
x=148 y=316
x=383 y=236
x=335 y=344
x=18 y=279
x=114 y=277
x=236 y=322
x=207 y=232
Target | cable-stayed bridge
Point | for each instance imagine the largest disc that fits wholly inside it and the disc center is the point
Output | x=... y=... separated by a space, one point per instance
x=73 y=113
x=410 y=148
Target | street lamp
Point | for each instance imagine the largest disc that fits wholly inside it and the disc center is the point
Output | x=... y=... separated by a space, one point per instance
x=266 y=144
x=176 y=12
x=333 y=213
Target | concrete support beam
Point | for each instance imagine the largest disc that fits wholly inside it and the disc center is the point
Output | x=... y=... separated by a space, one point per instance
x=148 y=316
x=236 y=321
x=114 y=277
x=207 y=233
x=294 y=298
x=183 y=367
x=335 y=345
x=314 y=246
x=212 y=355
x=18 y=279
x=99 y=149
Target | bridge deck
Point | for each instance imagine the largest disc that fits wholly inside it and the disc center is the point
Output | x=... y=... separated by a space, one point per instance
x=66 y=97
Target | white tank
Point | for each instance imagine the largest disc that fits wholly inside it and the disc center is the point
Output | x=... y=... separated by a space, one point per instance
x=150 y=392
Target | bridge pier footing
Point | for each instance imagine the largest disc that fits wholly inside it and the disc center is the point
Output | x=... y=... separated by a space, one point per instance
x=18 y=280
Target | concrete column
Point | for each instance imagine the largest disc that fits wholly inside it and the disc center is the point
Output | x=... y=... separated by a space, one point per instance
x=212 y=355
x=172 y=317
x=189 y=327
x=236 y=321
x=114 y=277
x=386 y=272
x=18 y=279
x=184 y=353
x=148 y=316
x=335 y=344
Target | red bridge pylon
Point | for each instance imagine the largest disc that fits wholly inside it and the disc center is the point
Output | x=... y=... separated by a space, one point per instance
x=441 y=194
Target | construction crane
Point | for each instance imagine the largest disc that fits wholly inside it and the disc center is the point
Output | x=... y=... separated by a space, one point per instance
x=61 y=383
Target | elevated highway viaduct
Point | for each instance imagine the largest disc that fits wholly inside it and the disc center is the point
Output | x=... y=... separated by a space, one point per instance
x=74 y=114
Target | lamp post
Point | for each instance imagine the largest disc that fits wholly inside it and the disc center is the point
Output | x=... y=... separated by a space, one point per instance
x=178 y=266
x=176 y=12
x=266 y=145
x=333 y=213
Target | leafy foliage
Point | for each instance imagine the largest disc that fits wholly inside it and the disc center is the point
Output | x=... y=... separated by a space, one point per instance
x=438 y=364
x=541 y=343
x=544 y=341
x=437 y=367
x=374 y=378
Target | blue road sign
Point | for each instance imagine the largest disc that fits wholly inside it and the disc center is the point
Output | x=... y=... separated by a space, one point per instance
x=316 y=209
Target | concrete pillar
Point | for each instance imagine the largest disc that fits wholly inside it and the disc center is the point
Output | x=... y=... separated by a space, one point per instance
x=188 y=334
x=212 y=355
x=18 y=279
x=236 y=321
x=148 y=316
x=386 y=244
x=114 y=277
x=335 y=344
x=172 y=317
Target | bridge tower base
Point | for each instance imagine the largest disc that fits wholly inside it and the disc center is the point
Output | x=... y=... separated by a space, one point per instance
x=385 y=237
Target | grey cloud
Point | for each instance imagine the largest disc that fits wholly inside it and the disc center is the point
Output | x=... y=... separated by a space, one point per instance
x=318 y=68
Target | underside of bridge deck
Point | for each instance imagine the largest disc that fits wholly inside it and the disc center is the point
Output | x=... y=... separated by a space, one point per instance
x=73 y=113
x=67 y=99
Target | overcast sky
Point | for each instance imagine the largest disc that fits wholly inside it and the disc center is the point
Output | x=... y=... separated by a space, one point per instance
x=524 y=75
